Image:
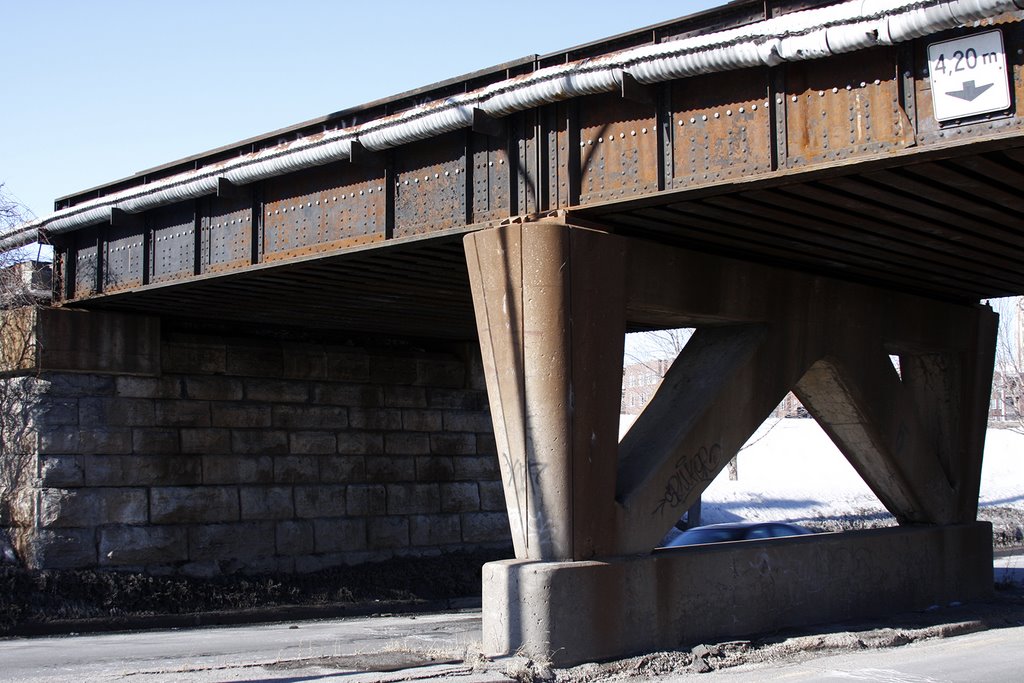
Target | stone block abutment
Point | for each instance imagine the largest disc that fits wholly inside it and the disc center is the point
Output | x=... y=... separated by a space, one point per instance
x=162 y=447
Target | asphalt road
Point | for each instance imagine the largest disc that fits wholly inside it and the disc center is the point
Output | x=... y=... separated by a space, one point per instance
x=995 y=656
x=385 y=649
x=442 y=646
x=305 y=650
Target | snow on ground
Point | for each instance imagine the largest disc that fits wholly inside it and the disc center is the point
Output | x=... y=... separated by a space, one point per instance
x=1002 y=473
x=794 y=473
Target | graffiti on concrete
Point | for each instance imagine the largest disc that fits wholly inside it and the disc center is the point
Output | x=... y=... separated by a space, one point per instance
x=522 y=482
x=701 y=467
x=514 y=480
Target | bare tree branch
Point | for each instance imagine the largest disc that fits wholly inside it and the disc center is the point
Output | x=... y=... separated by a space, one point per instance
x=1007 y=400
x=658 y=346
x=20 y=296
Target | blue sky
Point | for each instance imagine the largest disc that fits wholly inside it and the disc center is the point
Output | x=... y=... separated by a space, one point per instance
x=96 y=91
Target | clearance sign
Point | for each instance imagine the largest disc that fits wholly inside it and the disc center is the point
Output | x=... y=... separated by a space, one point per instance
x=969 y=76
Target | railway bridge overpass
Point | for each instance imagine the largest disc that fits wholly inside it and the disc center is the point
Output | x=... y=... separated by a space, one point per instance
x=813 y=185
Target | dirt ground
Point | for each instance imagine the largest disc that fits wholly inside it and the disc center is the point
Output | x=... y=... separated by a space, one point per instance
x=36 y=602
x=1006 y=609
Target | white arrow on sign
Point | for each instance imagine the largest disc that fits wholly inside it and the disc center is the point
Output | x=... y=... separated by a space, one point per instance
x=969 y=76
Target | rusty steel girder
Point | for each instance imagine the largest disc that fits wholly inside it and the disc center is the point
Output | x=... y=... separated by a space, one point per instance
x=646 y=142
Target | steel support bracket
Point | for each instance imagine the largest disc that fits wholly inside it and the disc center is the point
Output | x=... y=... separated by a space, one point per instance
x=488 y=125
x=635 y=91
x=360 y=155
x=228 y=190
x=122 y=219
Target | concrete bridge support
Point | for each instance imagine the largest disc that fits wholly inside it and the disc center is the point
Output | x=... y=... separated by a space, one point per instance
x=553 y=302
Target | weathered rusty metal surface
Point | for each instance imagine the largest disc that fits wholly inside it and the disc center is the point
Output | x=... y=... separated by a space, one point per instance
x=84 y=260
x=172 y=243
x=563 y=154
x=323 y=209
x=123 y=258
x=529 y=171
x=619 y=151
x=721 y=128
x=844 y=106
x=227 y=234
x=430 y=185
x=491 y=177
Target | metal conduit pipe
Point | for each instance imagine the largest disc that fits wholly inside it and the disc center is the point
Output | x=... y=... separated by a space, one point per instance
x=808 y=34
x=305 y=153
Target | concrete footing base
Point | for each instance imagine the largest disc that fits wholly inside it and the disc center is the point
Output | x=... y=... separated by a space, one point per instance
x=572 y=612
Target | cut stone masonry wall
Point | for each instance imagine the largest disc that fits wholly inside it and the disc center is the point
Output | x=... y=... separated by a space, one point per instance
x=262 y=455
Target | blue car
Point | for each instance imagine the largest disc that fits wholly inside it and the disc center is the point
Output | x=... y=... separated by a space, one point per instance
x=731 y=531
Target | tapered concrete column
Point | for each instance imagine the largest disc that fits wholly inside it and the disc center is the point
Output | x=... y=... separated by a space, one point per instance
x=550 y=309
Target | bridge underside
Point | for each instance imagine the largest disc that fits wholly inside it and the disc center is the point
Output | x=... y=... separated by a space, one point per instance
x=942 y=223
x=809 y=219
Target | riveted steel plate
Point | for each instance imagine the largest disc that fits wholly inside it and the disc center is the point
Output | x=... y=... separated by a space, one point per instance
x=430 y=185
x=226 y=233
x=490 y=178
x=322 y=209
x=84 y=256
x=844 y=106
x=123 y=258
x=560 y=157
x=528 y=174
x=930 y=130
x=721 y=127
x=729 y=15
x=172 y=242
x=618 y=148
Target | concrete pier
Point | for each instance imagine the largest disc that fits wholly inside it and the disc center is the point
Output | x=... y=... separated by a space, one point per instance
x=553 y=301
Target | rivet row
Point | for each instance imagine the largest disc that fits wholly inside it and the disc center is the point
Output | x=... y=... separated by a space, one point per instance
x=351 y=195
x=611 y=138
x=231 y=222
x=718 y=115
x=173 y=236
x=428 y=177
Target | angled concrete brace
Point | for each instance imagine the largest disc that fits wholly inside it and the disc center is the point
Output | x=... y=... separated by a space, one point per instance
x=861 y=405
x=552 y=305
